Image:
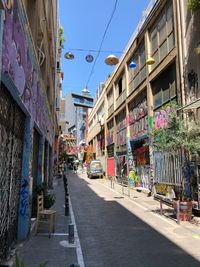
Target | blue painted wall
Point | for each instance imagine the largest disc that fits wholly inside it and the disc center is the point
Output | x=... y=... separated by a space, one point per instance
x=24 y=209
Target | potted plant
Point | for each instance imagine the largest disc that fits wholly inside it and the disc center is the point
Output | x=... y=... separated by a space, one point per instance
x=49 y=198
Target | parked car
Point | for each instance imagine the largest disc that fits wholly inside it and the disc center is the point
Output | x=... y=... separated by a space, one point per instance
x=95 y=169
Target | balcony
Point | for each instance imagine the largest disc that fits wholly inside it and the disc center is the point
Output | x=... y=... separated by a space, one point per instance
x=82 y=102
x=110 y=110
x=121 y=99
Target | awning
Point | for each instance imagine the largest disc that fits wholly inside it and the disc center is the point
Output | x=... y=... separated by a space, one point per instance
x=193 y=105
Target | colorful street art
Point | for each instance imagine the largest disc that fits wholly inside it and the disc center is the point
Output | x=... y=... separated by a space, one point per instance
x=161 y=117
x=110 y=139
x=19 y=65
x=21 y=76
x=138 y=119
x=110 y=132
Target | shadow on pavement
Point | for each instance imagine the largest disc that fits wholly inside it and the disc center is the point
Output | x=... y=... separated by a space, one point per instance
x=110 y=235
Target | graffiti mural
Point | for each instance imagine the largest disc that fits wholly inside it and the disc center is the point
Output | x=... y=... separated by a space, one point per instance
x=161 y=117
x=130 y=156
x=24 y=202
x=138 y=119
x=121 y=128
x=18 y=64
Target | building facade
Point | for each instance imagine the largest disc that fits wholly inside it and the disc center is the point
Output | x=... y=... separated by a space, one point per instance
x=27 y=112
x=73 y=117
x=140 y=99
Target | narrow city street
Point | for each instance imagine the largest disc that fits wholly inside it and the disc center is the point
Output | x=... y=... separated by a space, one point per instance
x=117 y=231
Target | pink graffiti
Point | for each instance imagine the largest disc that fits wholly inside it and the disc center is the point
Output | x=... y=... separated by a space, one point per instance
x=161 y=118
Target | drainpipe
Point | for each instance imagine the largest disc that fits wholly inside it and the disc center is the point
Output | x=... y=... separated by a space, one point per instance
x=1 y=38
x=181 y=44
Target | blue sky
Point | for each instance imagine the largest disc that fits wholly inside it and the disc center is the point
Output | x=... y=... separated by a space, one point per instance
x=84 y=23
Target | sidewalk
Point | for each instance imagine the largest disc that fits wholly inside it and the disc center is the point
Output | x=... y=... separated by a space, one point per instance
x=56 y=251
x=140 y=196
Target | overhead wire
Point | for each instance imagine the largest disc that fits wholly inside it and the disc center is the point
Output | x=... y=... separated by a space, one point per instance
x=103 y=37
x=95 y=51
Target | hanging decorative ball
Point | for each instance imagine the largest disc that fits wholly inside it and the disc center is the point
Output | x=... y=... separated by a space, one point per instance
x=69 y=55
x=132 y=65
x=111 y=60
x=89 y=58
x=150 y=61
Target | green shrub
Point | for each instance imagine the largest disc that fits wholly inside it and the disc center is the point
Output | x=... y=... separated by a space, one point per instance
x=193 y=4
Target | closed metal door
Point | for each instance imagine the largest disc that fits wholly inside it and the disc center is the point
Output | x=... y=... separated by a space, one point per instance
x=12 y=123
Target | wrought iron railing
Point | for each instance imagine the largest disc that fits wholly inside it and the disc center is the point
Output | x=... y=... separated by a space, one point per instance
x=11 y=146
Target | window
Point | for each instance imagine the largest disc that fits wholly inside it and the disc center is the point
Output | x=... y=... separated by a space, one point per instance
x=162 y=35
x=120 y=86
x=164 y=87
x=162 y=29
x=110 y=98
x=138 y=74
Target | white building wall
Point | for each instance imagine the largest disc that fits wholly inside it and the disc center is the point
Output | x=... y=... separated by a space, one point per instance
x=70 y=111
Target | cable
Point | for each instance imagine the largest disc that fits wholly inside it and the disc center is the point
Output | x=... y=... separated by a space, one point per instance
x=95 y=51
x=98 y=52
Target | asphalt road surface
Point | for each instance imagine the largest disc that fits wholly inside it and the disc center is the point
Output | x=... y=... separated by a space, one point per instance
x=115 y=232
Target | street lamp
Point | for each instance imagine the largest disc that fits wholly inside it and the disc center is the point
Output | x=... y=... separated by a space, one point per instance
x=111 y=60
x=69 y=55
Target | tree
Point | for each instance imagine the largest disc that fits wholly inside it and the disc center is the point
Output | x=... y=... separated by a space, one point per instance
x=179 y=135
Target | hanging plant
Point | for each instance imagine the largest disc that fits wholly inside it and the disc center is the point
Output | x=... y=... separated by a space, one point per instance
x=193 y=4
